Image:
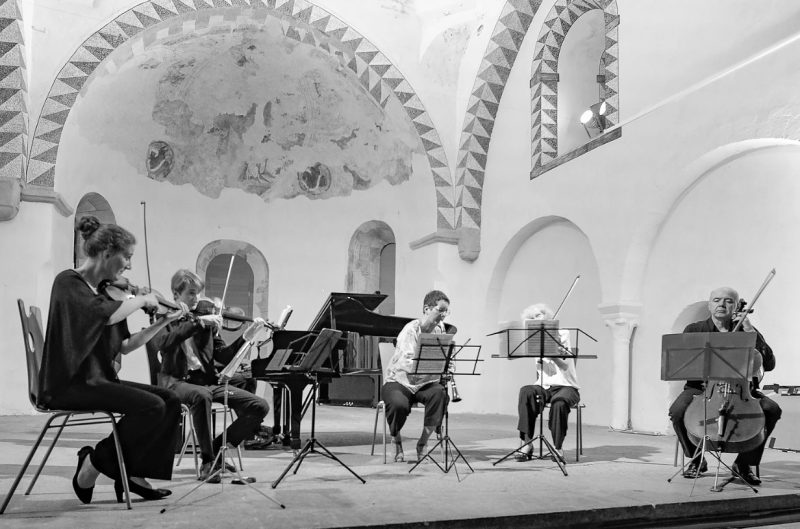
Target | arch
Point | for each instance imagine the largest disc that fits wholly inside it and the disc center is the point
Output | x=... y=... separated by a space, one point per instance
x=90 y=204
x=484 y=100
x=364 y=260
x=253 y=257
x=544 y=77
x=645 y=238
x=301 y=21
x=510 y=251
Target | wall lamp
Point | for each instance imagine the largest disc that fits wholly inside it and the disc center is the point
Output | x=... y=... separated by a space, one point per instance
x=594 y=120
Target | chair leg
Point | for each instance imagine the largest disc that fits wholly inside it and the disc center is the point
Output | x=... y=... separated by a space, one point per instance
x=49 y=449
x=375 y=427
x=123 y=473
x=384 y=433
x=26 y=464
x=578 y=434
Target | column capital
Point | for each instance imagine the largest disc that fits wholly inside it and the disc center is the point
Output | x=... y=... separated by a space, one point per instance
x=622 y=314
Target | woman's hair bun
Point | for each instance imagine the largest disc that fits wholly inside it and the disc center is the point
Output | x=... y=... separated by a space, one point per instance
x=88 y=225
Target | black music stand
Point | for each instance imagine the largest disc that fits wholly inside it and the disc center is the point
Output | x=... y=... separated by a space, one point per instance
x=436 y=356
x=311 y=363
x=539 y=339
x=709 y=356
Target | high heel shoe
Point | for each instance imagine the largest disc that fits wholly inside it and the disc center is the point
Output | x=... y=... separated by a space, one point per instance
x=144 y=492
x=83 y=494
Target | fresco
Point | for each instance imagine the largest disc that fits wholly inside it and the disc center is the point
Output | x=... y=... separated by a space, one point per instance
x=250 y=109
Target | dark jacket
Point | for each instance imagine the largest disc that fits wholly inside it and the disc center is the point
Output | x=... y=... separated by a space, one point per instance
x=208 y=345
x=767 y=356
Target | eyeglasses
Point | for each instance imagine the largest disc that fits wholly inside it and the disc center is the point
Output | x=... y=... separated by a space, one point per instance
x=443 y=312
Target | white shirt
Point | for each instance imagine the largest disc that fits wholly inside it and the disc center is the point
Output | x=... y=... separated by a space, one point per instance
x=557 y=371
x=401 y=366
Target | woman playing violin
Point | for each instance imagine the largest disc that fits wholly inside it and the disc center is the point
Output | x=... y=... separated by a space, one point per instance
x=722 y=303
x=86 y=332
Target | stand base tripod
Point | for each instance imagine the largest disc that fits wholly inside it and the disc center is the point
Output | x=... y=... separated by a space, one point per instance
x=699 y=455
x=551 y=453
x=310 y=448
x=451 y=454
x=312 y=443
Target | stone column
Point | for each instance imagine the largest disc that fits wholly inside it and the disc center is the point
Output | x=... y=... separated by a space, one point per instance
x=621 y=319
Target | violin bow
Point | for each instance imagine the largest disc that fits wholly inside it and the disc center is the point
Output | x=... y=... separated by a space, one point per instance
x=769 y=277
x=146 y=252
x=571 y=288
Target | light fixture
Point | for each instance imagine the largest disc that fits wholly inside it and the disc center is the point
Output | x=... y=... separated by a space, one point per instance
x=594 y=120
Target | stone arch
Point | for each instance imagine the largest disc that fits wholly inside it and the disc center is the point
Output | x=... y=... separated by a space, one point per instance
x=301 y=21
x=544 y=76
x=253 y=257
x=90 y=204
x=510 y=251
x=364 y=260
x=645 y=238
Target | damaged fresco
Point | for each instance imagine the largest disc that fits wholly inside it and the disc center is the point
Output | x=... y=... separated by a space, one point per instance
x=272 y=116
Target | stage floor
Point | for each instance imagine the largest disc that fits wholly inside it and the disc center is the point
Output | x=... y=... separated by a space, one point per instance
x=621 y=480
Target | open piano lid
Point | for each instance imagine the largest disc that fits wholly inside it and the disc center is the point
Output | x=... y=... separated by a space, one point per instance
x=354 y=312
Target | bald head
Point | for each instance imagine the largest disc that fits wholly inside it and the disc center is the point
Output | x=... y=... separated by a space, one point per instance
x=722 y=303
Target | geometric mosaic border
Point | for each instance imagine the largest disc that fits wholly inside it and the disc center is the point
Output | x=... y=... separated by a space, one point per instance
x=13 y=93
x=484 y=100
x=501 y=53
x=300 y=20
x=544 y=78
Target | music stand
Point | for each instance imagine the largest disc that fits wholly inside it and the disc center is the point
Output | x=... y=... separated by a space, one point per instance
x=708 y=356
x=311 y=363
x=220 y=460
x=538 y=339
x=436 y=356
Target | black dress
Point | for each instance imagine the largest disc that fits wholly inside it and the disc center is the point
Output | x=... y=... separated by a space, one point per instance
x=78 y=373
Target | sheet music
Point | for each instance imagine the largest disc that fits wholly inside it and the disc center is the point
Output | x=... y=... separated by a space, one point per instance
x=433 y=350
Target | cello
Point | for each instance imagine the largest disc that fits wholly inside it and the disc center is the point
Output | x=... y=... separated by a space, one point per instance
x=726 y=415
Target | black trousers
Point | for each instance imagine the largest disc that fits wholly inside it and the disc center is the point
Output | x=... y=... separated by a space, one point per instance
x=250 y=410
x=398 y=400
x=148 y=429
x=772 y=413
x=531 y=403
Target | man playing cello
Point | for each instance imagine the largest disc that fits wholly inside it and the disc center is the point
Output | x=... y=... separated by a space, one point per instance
x=722 y=304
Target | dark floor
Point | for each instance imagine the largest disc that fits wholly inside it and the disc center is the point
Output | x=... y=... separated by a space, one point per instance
x=621 y=480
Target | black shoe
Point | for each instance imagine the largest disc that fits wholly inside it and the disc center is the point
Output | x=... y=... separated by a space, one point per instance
x=85 y=495
x=209 y=474
x=144 y=492
x=746 y=473
x=694 y=470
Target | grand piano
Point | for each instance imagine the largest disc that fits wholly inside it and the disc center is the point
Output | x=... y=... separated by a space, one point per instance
x=348 y=312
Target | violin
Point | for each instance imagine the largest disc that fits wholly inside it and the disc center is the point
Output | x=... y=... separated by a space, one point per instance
x=122 y=289
x=232 y=317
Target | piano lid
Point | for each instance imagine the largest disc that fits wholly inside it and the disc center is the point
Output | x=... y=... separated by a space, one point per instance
x=354 y=312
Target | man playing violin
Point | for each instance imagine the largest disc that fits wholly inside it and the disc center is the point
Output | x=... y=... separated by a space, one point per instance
x=189 y=350
x=722 y=304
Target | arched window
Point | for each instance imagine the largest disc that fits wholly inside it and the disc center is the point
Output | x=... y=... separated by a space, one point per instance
x=371 y=262
x=97 y=206
x=575 y=68
x=241 y=284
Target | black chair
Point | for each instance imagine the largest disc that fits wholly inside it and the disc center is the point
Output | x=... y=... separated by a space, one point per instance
x=59 y=419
